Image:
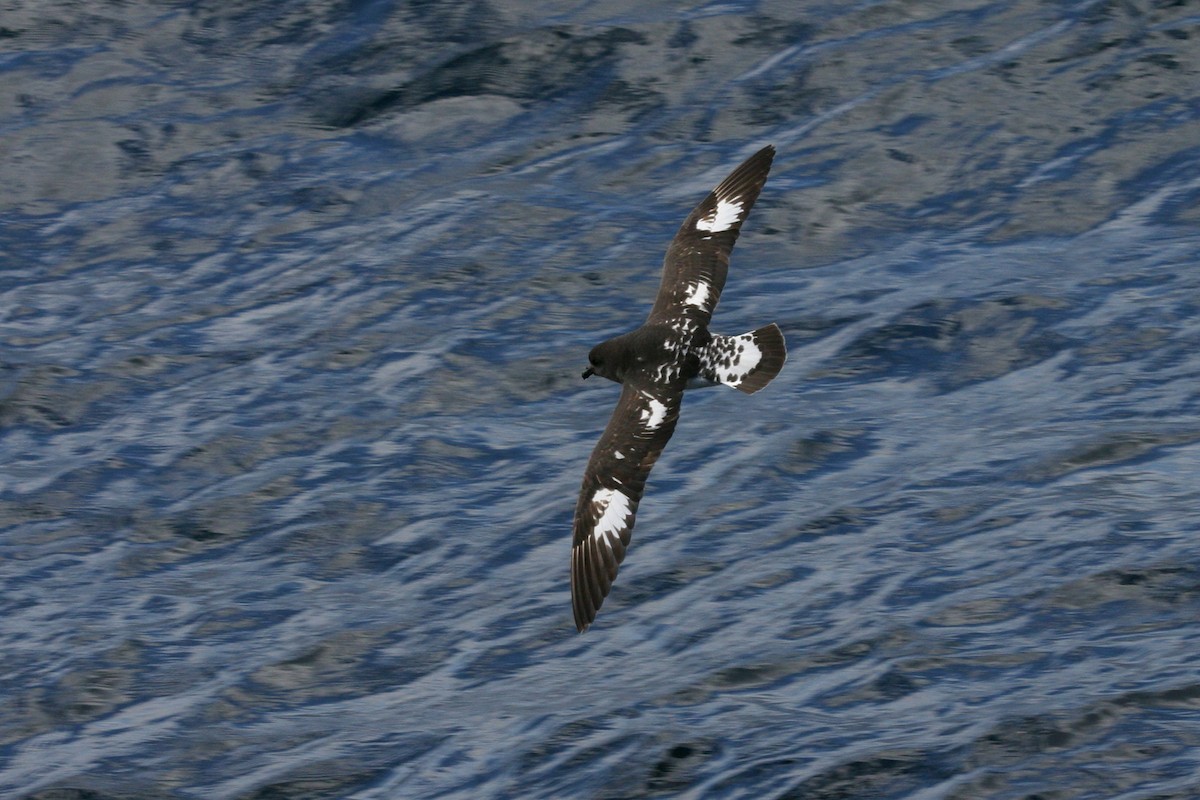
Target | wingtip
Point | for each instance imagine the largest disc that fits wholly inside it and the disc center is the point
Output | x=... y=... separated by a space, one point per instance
x=583 y=604
x=747 y=179
x=581 y=620
x=582 y=623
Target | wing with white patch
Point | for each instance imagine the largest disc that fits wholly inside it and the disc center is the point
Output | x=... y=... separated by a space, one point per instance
x=613 y=483
x=698 y=259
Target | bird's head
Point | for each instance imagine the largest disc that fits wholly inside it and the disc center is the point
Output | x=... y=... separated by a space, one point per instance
x=608 y=360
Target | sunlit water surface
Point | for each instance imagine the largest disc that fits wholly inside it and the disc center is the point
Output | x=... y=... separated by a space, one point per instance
x=293 y=305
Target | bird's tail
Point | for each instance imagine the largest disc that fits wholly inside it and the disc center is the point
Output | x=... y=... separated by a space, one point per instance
x=747 y=362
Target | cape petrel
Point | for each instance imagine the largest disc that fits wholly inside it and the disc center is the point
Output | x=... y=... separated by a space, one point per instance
x=672 y=351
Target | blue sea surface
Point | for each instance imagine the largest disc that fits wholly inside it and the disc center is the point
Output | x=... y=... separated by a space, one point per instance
x=294 y=299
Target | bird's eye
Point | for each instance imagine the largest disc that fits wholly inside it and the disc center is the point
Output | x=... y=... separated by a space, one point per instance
x=595 y=362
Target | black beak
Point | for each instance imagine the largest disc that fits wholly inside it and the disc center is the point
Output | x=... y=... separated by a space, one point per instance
x=588 y=373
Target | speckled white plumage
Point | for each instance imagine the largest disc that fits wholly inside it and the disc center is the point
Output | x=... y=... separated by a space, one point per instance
x=654 y=363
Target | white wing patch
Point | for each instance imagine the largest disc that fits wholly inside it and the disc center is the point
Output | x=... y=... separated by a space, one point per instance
x=722 y=217
x=613 y=518
x=654 y=414
x=697 y=294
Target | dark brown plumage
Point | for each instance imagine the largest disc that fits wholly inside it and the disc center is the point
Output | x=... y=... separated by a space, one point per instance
x=672 y=351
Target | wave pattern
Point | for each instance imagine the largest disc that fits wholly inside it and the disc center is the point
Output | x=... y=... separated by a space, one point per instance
x=294 y=301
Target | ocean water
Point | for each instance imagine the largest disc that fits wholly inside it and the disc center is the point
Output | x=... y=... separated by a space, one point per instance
x=294 y=298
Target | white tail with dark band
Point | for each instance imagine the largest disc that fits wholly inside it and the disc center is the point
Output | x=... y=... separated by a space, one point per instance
x=747 y=362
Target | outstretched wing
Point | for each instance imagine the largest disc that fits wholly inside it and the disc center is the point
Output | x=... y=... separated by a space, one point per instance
x=698 y=258
x=640 y=428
